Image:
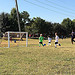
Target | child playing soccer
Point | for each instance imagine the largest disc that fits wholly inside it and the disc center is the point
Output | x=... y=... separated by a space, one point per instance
x=56 y=40
x=49 y=40
x=11 y=38
x=41 y=40
x=72 y=37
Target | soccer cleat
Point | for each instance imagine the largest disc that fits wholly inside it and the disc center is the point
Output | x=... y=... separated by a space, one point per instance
x=59 y=45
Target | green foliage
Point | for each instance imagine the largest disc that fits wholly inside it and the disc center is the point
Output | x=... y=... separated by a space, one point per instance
x=73 y=20
x=61 y=30
x=13 y=14
x=4 y=21
x=68 y=24
x=8 y=22
x=24 y=19
x=39 y=25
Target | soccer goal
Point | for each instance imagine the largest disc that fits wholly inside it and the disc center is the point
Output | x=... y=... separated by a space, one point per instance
x=16 y=39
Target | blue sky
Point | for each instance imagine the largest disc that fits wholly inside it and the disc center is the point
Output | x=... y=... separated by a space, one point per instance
x=50 y=10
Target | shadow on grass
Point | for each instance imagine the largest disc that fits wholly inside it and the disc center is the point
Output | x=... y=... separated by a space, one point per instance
x=32 y=45
x=66 y=47
x=2 y=54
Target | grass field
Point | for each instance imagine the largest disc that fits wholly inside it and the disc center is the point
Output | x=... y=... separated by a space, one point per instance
x=35 y=60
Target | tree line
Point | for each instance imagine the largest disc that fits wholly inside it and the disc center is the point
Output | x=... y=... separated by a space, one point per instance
x=8 y=22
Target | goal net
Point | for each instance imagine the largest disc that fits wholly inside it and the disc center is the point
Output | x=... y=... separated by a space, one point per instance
x=13 y=39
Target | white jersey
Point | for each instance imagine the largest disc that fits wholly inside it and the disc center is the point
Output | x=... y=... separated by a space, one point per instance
x=49 y=39
x=56 y=38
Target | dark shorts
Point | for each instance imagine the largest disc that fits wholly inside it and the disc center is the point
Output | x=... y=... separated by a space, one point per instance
x=49 y=42
x=56 y=42
x=40 y=43
x=72 y=38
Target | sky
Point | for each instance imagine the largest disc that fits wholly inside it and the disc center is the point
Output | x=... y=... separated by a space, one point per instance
x=49 y=10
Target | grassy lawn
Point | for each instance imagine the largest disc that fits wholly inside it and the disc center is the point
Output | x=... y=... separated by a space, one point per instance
x=35 y=60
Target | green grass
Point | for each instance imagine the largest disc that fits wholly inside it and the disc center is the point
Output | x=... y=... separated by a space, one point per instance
x=34 y=60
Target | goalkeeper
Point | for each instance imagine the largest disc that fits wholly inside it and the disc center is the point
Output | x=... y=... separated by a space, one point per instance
x=41 y=40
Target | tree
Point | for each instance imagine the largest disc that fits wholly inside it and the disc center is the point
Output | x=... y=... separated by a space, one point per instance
x=73 y=23
x=48 y=28
x=39 y=25
x=68 y=24
x=4 y=22
x=73 y=20
x=13 y=20
x=61 y=30
x=24 y=19
x=32 y=27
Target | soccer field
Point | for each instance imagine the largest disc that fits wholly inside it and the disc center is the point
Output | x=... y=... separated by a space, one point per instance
x=35 y=60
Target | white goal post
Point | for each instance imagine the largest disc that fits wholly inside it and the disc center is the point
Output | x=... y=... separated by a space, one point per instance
x=10 y=32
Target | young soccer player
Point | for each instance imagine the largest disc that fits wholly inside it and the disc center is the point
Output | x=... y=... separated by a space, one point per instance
x=56 y=40
x=72 y=37
x=41 y=40
x=49 y=40
x=11 y=38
